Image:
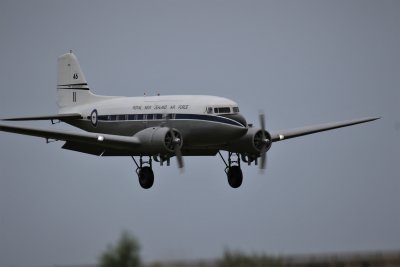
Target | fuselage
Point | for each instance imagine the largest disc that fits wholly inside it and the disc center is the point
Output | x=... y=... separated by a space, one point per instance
x=202 y=120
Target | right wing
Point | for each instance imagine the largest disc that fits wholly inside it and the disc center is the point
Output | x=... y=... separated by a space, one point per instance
x=101 y=142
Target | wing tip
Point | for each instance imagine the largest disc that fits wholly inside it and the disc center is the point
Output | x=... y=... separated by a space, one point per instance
x=372 y=118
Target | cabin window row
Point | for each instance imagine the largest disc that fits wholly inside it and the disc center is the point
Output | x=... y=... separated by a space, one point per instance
x=135 y=117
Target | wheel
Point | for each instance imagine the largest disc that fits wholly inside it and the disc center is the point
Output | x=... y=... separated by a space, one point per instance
x=146 y=177
x=235 y=176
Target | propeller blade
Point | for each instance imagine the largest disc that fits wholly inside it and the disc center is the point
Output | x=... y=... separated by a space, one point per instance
x=264 y=159
x=263 y=152
x=179 y=158
x=262 y=122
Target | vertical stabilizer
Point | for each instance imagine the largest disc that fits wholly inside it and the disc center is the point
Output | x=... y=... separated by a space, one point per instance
x=72 y=87
x=70 y=73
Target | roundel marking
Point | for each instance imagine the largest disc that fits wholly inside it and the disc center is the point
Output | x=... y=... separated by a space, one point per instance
x=93 y=117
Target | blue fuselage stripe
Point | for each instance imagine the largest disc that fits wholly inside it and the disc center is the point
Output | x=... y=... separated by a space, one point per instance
x=159 y=117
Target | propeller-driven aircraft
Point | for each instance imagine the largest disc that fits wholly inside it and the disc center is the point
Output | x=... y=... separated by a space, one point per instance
x=157 y=128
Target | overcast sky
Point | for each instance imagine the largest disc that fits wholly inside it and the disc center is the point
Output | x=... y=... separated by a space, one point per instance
x=302 y=62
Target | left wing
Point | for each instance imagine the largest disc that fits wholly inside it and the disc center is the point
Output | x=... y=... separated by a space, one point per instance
x=287 y=134
x=105 y=141
x=47 y=117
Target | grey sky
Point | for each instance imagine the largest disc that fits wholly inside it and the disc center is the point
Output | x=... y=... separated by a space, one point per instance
x=302 y=62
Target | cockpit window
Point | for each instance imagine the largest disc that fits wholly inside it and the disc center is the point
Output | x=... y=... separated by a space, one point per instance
x=236 y=109
x=222 y=110
x=209 y=110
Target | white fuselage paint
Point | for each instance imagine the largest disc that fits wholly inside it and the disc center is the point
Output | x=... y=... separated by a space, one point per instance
x=200 y=119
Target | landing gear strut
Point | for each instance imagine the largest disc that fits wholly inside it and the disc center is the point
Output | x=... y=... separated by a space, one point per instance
x=233 y=170
x=145 y=173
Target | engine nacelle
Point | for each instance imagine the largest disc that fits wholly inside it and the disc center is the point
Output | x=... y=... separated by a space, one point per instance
x=251 y=143
x=158 y=140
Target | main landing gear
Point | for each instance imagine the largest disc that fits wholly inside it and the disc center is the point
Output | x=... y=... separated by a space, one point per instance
x=233 y=170
x=145 y=173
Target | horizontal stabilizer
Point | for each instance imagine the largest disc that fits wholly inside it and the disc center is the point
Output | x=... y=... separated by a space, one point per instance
x=69 y=116
x=287 y=134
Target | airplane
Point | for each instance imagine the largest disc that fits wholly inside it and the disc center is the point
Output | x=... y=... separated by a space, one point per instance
x=157 y=128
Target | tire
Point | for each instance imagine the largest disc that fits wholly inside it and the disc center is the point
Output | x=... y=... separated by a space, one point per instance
x=235 y=176
x=146 y=177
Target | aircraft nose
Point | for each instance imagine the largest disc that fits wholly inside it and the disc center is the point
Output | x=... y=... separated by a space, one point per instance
x=238 y=118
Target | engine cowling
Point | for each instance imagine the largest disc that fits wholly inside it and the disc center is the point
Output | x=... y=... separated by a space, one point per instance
x=159 y=140
x=251 y=143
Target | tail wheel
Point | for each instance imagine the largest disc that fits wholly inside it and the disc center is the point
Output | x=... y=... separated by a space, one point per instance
x=146 y=177
x=235 y=176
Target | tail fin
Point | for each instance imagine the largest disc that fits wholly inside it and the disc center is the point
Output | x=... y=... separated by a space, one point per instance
x=72 y=87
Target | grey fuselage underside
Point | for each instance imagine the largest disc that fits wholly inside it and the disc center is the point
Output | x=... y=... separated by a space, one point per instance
x=199 y=137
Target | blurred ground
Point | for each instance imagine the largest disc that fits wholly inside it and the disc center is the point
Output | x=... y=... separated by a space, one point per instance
x=387 y=259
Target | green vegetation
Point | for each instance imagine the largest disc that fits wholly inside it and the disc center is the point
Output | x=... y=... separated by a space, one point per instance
x=239 y=259
x=124 y=254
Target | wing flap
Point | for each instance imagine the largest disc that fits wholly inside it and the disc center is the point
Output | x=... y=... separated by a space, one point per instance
x=291 y=133
x=98 y=149
x=67 y=116
x=83 y=148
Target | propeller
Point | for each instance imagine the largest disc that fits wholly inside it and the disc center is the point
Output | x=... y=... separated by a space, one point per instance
x=176 y=141
x=266 y=142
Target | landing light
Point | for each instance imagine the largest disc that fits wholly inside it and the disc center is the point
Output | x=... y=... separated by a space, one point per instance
x=100 y=138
